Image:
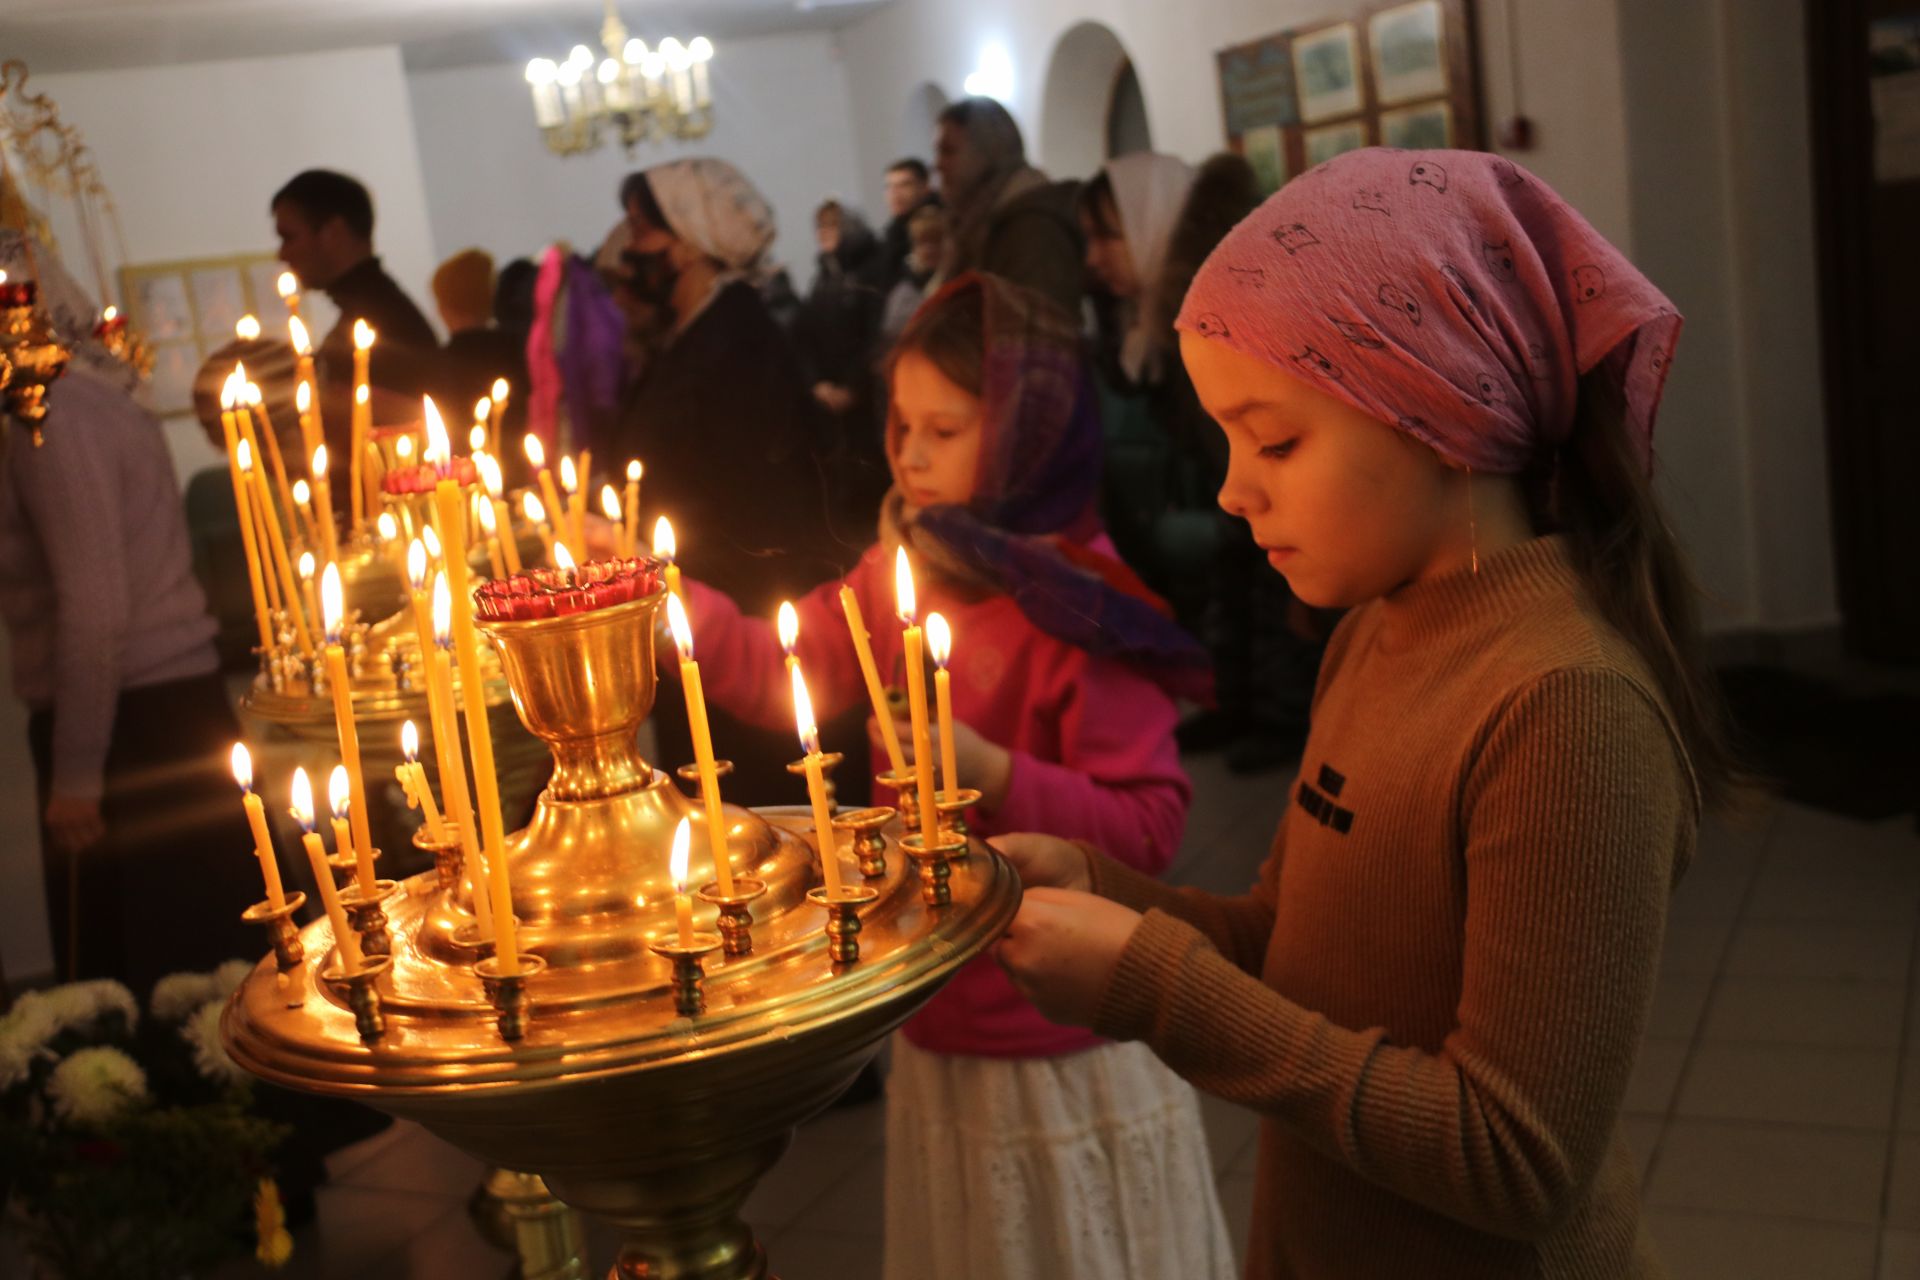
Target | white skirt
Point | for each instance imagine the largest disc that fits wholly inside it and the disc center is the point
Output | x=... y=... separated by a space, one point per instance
x=1089 y=1165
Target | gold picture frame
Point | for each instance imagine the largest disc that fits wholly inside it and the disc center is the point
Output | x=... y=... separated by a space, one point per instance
x=187 y=308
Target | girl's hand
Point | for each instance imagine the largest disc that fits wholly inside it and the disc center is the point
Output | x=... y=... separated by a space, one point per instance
x=981 y=764
x=1044 y=861
x=1061 y=951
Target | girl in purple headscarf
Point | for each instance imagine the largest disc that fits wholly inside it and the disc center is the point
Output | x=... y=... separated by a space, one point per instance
x=1015 y=1147
x=1437 y=383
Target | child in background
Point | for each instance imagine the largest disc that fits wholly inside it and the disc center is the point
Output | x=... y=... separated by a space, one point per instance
x=1438 y=386
x=1015 y=1147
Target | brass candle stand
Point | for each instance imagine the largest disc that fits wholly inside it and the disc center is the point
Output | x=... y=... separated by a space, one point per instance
x=689 y=973
x=829 y=761
x=735 y=919
x=952 y=807
x=868 y=827
x=936 y=866
x=625 y=1106
x=906 y=794
x=363 y=994
x=507 y=992
x=283 y=934
x=843 y=918
x=366 y=915
x=449 y=858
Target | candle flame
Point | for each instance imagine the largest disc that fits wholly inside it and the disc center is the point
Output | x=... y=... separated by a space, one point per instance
x=339 y=792
x=563 y=558
x=532 y=506
x=243 y=456
x=242 y=767
x=431 y=539
x=302 y=806
x=939 y=640
x=239 y=377
x=287 y=284
x=319 y=464
x=107 y=316
x=499 y=391
x=489 y=467
x=789 y=627
x=331 y=605
x=361 y=394
x=439 y=448
x=306 y=566
x=682 y=846
x=803 y=713
x=247 y=329
x=388 y=527
x=536 y=452
x=403 y=448
x=663 y=543
x=442 y=611
x=569 y=479
x=417 y=565
x=409 y=742
x=302 y=344
x=477 y=438
x=903 y=588
x=681 y=628
x=610 y=503
x=253 y=393
x=363 y=335
x=227 y=396
x=303 y=398
x=302 y=492
x=482 y=410
x=483 y=512
x=634 y=471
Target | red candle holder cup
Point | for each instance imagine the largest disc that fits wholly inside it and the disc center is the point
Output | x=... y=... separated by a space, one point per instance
x=555 y=593
x=403 y=481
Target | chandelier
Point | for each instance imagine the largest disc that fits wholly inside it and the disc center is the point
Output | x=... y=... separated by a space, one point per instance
x=636 y=92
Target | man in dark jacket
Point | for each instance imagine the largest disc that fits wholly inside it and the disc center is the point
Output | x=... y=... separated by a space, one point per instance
x=909 y=190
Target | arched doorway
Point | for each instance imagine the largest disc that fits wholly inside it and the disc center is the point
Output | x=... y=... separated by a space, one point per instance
x=924 y=106
x=1091 y=103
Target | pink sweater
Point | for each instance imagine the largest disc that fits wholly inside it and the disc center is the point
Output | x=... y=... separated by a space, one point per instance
x=1092 y=743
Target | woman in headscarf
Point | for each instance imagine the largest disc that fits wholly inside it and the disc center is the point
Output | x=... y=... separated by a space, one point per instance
x=726 y=425
x=1150 y=220
x=1009 y=218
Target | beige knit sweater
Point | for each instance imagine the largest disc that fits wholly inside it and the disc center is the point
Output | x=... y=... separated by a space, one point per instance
x=1435 y=991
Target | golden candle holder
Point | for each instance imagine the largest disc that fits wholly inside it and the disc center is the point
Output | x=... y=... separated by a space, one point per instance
x=843 y=919
x=282 y=933
x=952 y=807
x=829 y=761
x=869 y=837
x=735 y=920
x=936 y=866
x=363 y=996
x=507 y=992
x=367 y=916
x=35 y=356
x=690 y=775
x=906 y=796
x=449 y=859
x=625 y=1108
x=689 y=973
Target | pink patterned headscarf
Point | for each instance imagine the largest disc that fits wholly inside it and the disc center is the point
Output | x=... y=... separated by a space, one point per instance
x=1449 y=293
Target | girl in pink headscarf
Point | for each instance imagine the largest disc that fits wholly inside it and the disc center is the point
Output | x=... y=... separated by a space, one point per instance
x=1437 y=384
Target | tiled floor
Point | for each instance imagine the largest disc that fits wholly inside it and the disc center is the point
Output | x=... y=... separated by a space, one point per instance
x=1775 y=1109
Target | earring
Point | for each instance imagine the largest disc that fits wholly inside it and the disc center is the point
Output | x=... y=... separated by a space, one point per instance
x=1473 y=528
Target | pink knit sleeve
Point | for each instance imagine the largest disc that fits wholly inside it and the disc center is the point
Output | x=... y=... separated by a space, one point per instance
x=1118 y=783
x=743 y=670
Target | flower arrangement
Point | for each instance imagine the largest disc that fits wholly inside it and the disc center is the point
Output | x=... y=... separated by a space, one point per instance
x=128 y=1147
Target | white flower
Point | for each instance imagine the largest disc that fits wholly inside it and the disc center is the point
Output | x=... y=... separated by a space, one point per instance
x=94 y=1085
x=202 y=1034
x=228 y=977
x=78 y=1003
x=179 y=994
x=24 y=1033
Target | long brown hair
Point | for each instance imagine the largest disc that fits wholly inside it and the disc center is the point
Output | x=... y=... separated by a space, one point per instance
x=1597 y=494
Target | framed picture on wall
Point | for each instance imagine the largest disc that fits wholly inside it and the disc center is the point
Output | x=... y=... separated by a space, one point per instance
x=1398 y=74
x=187 y=310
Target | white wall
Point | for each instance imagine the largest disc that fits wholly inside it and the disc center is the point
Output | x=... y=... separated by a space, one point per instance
x=193 y=154
x=780 y=115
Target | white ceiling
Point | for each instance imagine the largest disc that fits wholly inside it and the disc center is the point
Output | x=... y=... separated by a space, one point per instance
x=74 y=35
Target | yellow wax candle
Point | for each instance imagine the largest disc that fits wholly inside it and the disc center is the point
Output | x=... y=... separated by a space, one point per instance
x=610 y=508
x=387 y=529
x=576 y=503
x=497 y=396
x=243 y=508
x=550 y=496
x=702 y=743
x=453 y=768
x=309 y=586
x=333 y=610
x=633 y=508
x=288 y=286
x=479 y=440
x=308 y=530
x=490 y=533
x=413 y=780
x=677 y=868
x=876 y=691
x=343 y=937
x=940 y=648
x=816 y=784
x=371 y=471
x=509 y=543
x=449 y=505
x=252 y=400
x=310 y=433
x=257 y=822
x=269 y=568
x=323 y=500
x=340 y=800
x=536 y=515
x=362 y=421
x=282 y=564
x=917 y=700
x=665 y=548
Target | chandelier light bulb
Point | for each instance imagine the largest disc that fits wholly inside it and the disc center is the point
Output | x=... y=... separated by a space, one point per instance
x=634 y=53
x=609 y=71
x=541 y=71
x=701 y=49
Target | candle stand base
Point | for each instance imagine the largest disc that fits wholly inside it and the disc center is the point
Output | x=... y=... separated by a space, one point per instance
x=690 y=774
x=936 y=867
x=736 y=918
x=363 y=997
x=843 y=919
x=869 y=838
x=906 y=795
x=368 y=918
x=689 y=976
x=507 y=992
x=953 y=806
x=449 y=862
x=289 y=953
x=829 y=761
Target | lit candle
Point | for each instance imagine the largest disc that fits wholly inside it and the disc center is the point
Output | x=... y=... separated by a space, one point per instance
x=333 y=609
x=665 y=548
x=876 y=691
x=255 y=400
x=702 y=742
x=309 y=586
x=243 y=509
x=576 y=502
x=303 y=503
x=816 y=783
x=537 y=459
x=940 y=648
x=277 y=547
x=480 y=438
x=431 y=540
x=787 y=623
x=489 y=468
x=677 y=868
x=634 y=471
x=323 y=502
x=537 y=517
x=247 y=329
x=563 y=560
x=413 y=780
x=269 y=567
x=362 y=422
x=257 y=821
x=917 y=698
x=490 y=527
x=340 y=800
x=343 y=937
x=610 y=508
x=449 y=505
x=288 y=286
x=453 y=767
x=477 y=440
x=388 y=531
x=310 y=433
x=497 y=395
